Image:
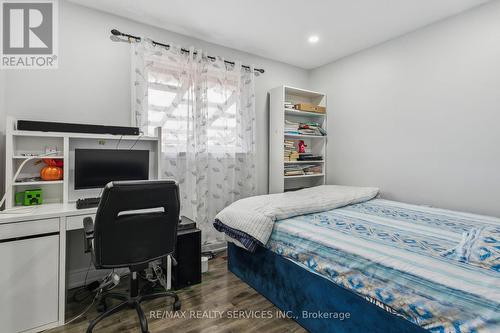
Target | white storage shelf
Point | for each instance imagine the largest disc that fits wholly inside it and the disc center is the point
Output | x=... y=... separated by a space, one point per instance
x=305 y=176
x=41 y=182
x=298 y=113
x=84 y=136
x=299 y=136
x=22 y=157
x=303 y=162
x=36 y=142
x=278 y=182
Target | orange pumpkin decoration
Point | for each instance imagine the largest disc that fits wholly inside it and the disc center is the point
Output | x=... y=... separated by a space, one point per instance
x=52 y=171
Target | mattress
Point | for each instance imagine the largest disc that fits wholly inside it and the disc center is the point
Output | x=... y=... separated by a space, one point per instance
x=439 y=269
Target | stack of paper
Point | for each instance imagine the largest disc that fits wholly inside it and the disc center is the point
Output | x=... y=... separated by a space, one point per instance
x=312 y=170
x=291 y=127
x=303 y=128
x=311 y=129
x=301 y=169
x=288 y=149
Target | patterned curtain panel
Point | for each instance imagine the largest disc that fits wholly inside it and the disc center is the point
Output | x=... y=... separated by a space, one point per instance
x=206 y=111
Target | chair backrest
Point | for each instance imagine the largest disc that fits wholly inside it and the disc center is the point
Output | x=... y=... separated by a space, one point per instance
x=136 y=222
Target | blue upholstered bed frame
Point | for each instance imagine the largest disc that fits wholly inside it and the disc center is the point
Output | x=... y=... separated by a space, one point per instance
x=293 y=288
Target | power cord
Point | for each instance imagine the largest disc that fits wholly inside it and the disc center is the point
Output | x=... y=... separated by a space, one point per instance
x=86 y=309
x=108 y=283
x=120 y=140
x=84 y=287
x=160 y=276
x=137 y=140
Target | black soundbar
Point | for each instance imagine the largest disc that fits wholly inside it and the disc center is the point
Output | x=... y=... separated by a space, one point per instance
x=46 y=126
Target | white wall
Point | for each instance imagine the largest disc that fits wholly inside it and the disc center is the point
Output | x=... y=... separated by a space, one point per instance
x=92 y=84
x=2 y=126
x=419 y=116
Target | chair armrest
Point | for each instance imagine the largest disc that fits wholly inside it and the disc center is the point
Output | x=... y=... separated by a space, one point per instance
x=88 y=235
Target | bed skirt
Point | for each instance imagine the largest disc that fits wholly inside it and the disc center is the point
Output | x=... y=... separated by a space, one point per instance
x=315 y=303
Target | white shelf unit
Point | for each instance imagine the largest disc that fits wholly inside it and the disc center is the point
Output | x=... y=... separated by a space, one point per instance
x=294 y=112
x=278 y=182
x=306 y=136
x=21 y=157
x=41 y=182
x=303 y=162
x=305 y=176
x=62 y=191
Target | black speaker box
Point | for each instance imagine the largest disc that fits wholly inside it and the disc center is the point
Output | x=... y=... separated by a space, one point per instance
x=188 y=256
x=47 y=126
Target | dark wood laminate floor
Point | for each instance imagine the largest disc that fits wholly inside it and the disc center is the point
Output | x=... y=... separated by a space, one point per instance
x=219 y=296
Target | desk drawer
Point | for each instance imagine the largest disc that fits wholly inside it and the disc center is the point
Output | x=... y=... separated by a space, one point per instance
x=28 y=228
x=76 y=222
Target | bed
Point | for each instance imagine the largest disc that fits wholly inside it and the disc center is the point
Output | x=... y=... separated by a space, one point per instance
x=393 y=267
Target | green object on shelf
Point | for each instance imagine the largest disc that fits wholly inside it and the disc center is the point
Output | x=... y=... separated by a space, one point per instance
x=29 y=197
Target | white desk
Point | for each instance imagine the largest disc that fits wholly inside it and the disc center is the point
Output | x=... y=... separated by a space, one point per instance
x=46 y=211
x=33 y=255
x=33 y=240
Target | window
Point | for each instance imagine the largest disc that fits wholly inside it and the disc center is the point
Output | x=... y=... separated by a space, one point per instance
x=171 y=104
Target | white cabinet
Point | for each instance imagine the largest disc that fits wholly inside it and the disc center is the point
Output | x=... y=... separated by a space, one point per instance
x=29 y=282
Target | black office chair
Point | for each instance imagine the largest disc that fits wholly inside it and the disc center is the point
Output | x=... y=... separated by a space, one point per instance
x=124 y=236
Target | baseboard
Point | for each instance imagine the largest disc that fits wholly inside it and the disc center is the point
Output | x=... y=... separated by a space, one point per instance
x=76 y=277
x=214 y=247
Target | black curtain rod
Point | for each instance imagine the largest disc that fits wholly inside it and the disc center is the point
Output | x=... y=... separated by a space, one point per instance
x=118 y=33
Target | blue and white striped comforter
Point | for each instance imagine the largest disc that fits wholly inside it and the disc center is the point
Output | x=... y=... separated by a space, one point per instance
x=437 y=268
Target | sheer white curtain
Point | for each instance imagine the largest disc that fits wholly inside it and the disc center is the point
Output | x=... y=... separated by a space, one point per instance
x=206 y=110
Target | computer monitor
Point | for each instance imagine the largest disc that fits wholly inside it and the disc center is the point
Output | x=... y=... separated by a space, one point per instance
x=95 y=168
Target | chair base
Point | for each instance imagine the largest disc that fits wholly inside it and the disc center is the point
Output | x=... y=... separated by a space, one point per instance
x=131 y=302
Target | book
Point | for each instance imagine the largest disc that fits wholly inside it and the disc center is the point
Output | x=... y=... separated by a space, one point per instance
x=302 y=169
x=310 y=128
x=289 y=150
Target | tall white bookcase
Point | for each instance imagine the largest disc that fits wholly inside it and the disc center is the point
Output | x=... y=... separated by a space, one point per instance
x=278 y=182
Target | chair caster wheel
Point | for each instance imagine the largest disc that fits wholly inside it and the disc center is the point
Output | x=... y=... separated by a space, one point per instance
x=177 y=305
